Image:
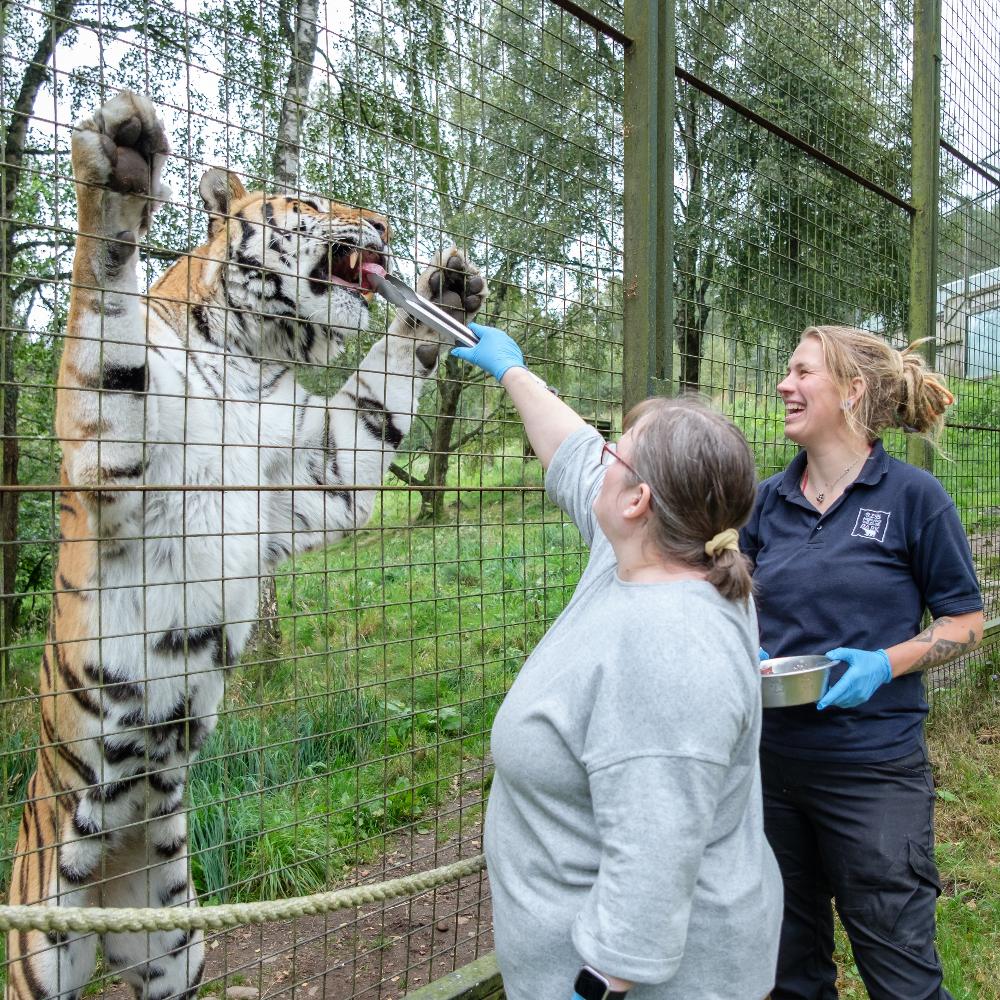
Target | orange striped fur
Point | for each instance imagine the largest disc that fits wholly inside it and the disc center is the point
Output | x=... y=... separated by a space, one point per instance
x=156 y=591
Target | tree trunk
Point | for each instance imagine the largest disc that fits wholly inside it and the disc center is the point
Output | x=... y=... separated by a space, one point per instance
x=285 y=166
x=267 y=637
x=449 y=392
x=13 y=157
x=689 y=339
x=294 y=104
x=690 y=319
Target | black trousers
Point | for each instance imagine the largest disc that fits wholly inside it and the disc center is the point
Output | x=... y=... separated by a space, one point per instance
x=862 y=836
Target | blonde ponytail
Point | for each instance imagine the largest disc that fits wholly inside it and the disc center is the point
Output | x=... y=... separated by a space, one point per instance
x=923 y=397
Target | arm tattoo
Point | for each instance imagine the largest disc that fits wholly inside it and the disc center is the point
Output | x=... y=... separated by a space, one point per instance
x=928 y=633
x=941 y=650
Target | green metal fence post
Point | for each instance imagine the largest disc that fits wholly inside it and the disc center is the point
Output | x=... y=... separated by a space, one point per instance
x=926 y=137
x=649 y=164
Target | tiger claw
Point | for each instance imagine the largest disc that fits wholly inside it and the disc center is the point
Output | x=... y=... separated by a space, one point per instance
x=455 y=284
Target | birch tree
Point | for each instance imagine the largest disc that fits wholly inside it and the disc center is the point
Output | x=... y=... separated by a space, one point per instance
x=301 y=37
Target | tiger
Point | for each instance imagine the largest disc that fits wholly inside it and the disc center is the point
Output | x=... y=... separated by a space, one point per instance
x=156 y=591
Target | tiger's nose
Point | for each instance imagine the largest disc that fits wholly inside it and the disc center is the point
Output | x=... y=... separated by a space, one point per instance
x=427 y=354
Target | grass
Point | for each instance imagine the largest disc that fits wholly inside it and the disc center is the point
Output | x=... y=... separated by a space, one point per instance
x=964 y=741
x=396 y=649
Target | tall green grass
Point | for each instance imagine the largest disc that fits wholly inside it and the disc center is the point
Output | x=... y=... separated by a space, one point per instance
x=964 y=742
x=396 y=649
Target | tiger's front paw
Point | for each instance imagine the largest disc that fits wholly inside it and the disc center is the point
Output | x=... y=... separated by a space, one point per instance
x=453 y=282
x=121 y=148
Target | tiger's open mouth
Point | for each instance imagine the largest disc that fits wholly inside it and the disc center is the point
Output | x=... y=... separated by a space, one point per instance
x=349 y=267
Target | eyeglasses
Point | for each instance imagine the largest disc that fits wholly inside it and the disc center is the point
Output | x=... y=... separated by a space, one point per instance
x=609 y=455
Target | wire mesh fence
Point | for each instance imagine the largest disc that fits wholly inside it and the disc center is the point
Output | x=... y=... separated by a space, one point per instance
x=350 y=742
x=794 y=199
x=968 y=295
x=792 y=149
x=334 y=654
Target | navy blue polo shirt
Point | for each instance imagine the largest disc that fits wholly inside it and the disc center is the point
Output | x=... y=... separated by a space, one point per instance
x=859 y=575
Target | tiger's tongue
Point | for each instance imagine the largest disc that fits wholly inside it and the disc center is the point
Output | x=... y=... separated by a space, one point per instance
x=368 y=270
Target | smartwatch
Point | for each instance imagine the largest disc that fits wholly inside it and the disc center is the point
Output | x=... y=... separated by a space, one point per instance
x=591 y=985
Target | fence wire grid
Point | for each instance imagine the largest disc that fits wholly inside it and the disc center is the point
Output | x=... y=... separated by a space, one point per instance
x=351 y=743
x=352 y=736
x=796 y=198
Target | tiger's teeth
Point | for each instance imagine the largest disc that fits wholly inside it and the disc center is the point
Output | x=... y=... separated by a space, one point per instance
x=353 y=260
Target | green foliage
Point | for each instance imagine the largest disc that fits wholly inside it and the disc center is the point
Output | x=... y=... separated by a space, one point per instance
x=967 y=464
x=372 y=708
x=767 y=240
x=976 y=402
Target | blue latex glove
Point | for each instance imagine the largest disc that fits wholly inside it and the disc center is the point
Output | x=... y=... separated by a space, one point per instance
x=866 y=672
x=763 y=654
x=494 y=353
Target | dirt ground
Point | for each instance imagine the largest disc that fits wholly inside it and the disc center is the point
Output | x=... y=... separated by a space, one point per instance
x=380 y=951
x=376 y=952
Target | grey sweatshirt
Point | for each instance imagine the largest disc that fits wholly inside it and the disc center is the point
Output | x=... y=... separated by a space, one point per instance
x=624 y=828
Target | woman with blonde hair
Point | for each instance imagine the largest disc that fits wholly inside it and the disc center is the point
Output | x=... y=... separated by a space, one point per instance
x=624 y=835
x=850 y=547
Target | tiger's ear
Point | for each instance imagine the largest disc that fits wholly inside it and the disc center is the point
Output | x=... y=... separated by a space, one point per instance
x=219 y=189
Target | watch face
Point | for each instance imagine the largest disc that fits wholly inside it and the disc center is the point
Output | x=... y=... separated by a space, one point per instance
x=590 y=986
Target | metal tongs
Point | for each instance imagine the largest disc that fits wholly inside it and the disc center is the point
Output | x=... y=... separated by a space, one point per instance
x=400 y=294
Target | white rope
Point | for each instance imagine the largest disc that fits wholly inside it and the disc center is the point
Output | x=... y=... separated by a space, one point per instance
x=85 y=919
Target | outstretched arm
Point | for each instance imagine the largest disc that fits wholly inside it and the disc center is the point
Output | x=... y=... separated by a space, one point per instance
x=548 y=421
x=105 y=411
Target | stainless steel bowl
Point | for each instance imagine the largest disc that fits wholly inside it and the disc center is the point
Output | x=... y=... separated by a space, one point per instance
x=794 y=680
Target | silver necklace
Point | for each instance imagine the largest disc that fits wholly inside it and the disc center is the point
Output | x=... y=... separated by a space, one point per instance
x=820 y=497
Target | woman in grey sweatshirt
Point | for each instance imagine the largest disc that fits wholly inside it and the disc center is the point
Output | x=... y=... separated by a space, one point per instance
x=624 y=834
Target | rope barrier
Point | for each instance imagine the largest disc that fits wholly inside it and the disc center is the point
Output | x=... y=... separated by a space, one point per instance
x=61 y=919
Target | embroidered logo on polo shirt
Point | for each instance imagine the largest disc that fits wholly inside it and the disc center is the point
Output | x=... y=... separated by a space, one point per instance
x=871 y=524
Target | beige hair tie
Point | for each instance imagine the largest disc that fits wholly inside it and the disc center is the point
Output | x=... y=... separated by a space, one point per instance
x=728 y=539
